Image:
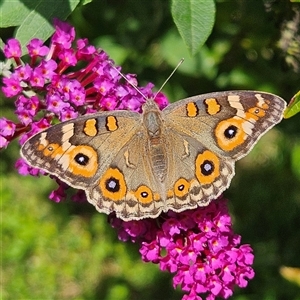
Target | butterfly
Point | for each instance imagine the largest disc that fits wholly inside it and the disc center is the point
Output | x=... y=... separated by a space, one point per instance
x=140 y=165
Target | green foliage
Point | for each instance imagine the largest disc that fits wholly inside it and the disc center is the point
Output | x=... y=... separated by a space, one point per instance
x=67 y=250
x=34 y=19
x=50 y=253
x=293 y=107
x=295 y=159
x=194 y=20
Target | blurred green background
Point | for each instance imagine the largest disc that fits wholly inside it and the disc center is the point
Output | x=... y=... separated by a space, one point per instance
x=69 y=251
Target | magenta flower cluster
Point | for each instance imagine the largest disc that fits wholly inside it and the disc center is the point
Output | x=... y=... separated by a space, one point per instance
x=198 y=246
x=70 y=77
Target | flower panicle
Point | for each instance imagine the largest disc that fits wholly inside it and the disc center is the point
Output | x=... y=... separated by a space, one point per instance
x=198 y=246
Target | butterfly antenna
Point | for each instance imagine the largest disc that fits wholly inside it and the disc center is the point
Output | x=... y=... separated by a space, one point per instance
x=178 y=65
x=120 y=73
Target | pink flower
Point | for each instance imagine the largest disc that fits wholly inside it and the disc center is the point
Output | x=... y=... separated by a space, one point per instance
x=22 y=73
x=24 y=169
x=59 y=194
x=12 y=49
x=7 y=127
x=3 y=142
x=37 y=48
x=64 y=34
x=12 y=87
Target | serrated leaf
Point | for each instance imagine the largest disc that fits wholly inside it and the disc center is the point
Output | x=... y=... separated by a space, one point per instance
x=293 y=107
x=194 y=20
x=34 y=18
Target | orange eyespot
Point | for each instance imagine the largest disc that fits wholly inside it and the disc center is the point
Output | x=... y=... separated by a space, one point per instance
x=207 y=167
x=230 y=133
x=51 y=150
x=113 y=185
x=144 y=194
x=181 y=188
x=83 y=160
x=257 y=112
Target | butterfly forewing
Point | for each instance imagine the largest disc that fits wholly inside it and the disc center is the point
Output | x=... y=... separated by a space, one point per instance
x=228 y=123
x=78 y=151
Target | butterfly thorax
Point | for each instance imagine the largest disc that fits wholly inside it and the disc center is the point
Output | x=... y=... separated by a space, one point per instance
x=156 y=143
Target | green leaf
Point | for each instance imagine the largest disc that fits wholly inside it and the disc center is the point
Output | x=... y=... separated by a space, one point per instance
x=1 y=44
x=293 y=107
x=201 y=63
x=85 y=2
x=194 y=20
x=295 y=159
x=34 y=18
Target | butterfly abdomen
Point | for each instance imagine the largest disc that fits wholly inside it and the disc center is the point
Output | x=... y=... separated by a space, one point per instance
x=158 y=160
x=156 y=145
